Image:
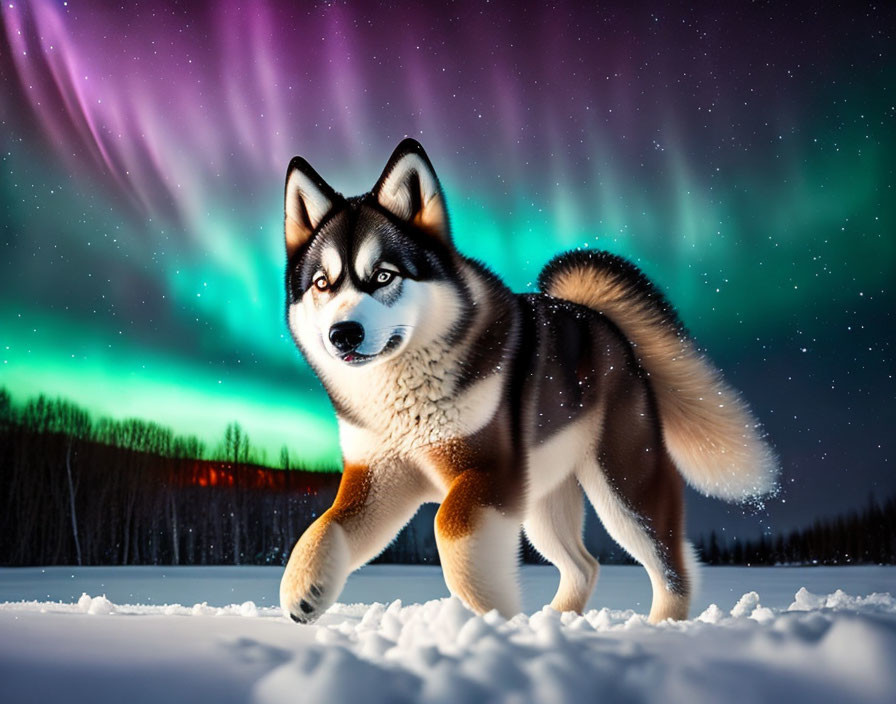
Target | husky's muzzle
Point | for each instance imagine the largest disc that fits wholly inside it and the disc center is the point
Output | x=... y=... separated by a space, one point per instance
x=347 y=336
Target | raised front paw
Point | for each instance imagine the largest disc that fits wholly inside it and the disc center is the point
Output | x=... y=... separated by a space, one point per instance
x=315 y=573
x=310 y=606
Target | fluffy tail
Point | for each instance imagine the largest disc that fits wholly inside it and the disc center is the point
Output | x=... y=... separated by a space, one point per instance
x=714 y=440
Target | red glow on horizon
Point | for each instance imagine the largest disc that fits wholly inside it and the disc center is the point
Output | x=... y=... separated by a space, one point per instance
x=214 y=476
x=222 y=474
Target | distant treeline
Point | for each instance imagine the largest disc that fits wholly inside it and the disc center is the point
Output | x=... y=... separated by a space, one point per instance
x=858 y=537
x=74 y=490
x=56 y=415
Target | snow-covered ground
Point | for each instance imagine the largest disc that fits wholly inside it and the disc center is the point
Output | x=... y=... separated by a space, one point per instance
x=215 y=634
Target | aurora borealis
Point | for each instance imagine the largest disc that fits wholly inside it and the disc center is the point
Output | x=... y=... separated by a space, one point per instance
x=742 y=155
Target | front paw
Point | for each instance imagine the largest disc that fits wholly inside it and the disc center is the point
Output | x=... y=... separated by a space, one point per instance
x=315 y=573
x=309 y=606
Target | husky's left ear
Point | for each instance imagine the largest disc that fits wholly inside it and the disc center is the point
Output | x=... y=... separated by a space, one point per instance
x=410 y=190
x=308 y=199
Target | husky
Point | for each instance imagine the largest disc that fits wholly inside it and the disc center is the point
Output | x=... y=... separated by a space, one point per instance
x=503 y=408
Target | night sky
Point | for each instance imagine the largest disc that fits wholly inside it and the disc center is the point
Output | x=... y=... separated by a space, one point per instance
x=743 y=155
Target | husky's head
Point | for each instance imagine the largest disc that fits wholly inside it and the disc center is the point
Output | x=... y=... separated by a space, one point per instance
x=371 y=276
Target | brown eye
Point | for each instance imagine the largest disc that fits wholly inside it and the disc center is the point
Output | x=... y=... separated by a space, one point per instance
x=384 y=276
x=321 y=283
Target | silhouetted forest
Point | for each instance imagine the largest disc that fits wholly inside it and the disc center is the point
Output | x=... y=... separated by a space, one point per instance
x=131 y=492
x=122 y=492
x=859 y=537
x=117 y=492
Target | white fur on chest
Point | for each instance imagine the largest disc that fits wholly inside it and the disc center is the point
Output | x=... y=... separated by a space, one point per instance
x=406 y=407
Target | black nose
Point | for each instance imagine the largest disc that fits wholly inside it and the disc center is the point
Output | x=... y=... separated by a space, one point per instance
x=347 y=335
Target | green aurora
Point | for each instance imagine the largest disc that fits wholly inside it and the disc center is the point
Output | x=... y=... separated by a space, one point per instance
x=735 y=271
x=142 y=255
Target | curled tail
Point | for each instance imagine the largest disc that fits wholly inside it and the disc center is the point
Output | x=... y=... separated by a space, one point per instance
x=709 y=431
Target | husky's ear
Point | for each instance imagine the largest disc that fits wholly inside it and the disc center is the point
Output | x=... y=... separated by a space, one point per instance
x=410 y=190
x=308 y=199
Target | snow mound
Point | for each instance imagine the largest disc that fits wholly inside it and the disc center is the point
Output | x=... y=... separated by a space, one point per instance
x=95 y=605
x=746 y=605
x=439 y=652
x=832 y=647
x=100 y=605
x=807 y=601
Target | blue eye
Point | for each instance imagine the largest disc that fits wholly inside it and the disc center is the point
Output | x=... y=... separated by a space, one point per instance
x=383 y=277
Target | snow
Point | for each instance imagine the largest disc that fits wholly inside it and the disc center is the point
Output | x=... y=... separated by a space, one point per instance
x=216 y=634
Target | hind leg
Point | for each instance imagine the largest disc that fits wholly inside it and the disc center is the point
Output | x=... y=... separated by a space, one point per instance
x=638 y=495
x=478 y=546
x=659 y=547
x=554 y=527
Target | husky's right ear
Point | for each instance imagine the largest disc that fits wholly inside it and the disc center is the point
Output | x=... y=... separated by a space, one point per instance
x=410 y=190
x=308 y=199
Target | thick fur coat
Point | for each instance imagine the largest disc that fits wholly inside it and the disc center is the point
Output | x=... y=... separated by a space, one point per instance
x=505 y=409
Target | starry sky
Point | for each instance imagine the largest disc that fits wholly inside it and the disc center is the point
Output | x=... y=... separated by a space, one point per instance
x=742 y=154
